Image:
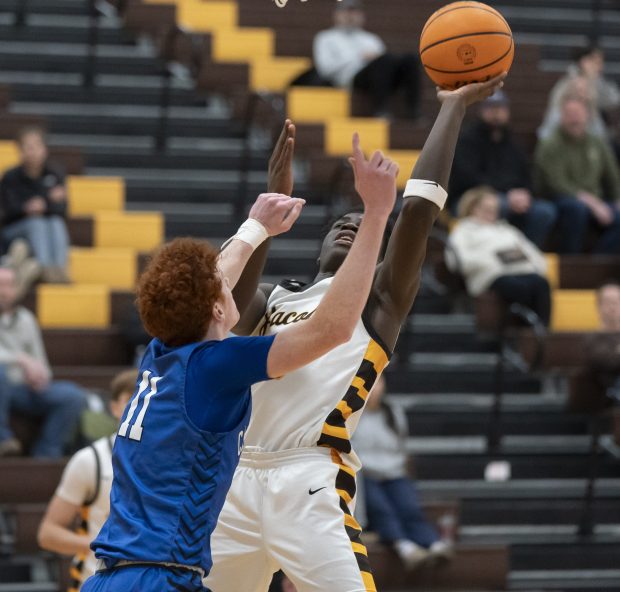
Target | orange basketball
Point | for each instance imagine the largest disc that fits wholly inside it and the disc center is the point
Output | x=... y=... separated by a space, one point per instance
x=465 y=42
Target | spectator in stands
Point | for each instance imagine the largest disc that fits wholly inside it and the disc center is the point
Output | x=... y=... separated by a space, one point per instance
x=34 y=201
x=391 y=498
x=603 y=349
x=487 y=154
x=587 y=71
x=492 y=255
x=580 y=174
x=84 y=491
x=26 y=383
x=348 y=56
x=576 y=87
x=27 y=269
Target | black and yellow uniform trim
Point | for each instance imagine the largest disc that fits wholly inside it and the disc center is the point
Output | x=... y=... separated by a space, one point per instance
x=76 y=569
x=334 y=433
x=345 y=487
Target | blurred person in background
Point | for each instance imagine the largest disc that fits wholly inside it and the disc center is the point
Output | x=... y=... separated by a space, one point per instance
x=348 y=56
x=579 y=173
x=26 y=383
x=84 y=493
x=491 y=254
x=585 y=77
x=391 y=500
x=33 y=198
x=576 y=87
x=487 y=154
x=603 y=348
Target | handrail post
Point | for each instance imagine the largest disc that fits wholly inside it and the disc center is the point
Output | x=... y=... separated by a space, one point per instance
x=586 y=520
x=494 y=432
x=246 y=157
x=20 y=13
x=90 y=64
x=595 y=34
x=161 y=137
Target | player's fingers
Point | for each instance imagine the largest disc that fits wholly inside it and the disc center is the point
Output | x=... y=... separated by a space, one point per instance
x=353 y=164
x=385 y=165
x=291 y=130
x=394 y=169
x=377 y=158
x=358 y=154
x=294 y=212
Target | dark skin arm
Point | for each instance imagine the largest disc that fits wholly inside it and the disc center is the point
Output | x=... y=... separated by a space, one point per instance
x=250 y=298
x=398 y=276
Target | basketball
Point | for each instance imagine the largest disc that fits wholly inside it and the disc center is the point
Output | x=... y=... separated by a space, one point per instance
x=465 y=42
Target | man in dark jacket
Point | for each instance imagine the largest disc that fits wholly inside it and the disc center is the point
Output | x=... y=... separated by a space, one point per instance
x=34 y=204
x=488 y=155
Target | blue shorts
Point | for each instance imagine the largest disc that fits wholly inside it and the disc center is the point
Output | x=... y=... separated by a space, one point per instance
x=144 y=578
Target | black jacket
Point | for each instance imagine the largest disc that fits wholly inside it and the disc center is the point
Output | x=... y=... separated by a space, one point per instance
x=480 y=161
x=17 y=188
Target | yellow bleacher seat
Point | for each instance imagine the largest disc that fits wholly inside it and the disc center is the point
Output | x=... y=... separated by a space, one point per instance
x=142 y=231
x=374 y=135
x=316 y=105
x=275 y=74
x=199 y=16
x=574 y=310
x=77 y=306
x=242 y=45
x=88 y=195
x=406 y=160
x=9 y=155
x=114 y=268
x=553 y=270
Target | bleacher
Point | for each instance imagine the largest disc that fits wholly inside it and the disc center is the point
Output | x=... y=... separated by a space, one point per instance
x=129 y=190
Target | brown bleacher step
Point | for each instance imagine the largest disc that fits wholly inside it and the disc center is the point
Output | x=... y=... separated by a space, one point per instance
x=90 y=377
x=88 y=347
x=474 y=567
x=29 y=480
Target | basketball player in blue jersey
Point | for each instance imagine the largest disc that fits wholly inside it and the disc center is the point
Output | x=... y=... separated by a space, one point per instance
x=180 y=437
x=291 y=502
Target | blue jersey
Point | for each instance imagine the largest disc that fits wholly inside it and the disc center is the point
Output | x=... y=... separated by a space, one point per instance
x=172 y=465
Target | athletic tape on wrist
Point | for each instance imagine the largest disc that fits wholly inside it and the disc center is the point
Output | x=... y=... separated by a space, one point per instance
x=251 y=232
x=429 y=190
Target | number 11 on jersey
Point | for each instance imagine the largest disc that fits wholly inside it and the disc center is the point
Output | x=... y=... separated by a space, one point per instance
x=148 y=382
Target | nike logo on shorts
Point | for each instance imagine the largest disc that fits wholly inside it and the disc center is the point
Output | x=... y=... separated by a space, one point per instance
x=316 y=490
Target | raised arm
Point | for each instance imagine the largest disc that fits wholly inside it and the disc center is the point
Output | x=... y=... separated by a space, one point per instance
x=249 y=297
x=334 y=320
x=271 y=214
x=398 y=276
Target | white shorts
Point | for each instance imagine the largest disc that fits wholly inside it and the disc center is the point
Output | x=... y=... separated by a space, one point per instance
x=290 y=510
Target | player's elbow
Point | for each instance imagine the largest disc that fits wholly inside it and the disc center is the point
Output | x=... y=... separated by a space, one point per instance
x=43 y=537
x=339 y=334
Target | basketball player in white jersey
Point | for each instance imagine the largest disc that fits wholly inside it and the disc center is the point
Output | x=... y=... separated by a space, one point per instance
x=290 y=506
x=84 y=492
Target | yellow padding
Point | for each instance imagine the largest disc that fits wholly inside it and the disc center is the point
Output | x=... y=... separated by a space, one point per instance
x=574 y=310
x=275 y=74
x=316 y=105
x=89 y=195
x=73 y=306
x=406 y=160
x=241 y=45
x=9 y=155
x=199 y=16
x=140 y=231
x=374 y=135
x=553 y=270
x=114 y=268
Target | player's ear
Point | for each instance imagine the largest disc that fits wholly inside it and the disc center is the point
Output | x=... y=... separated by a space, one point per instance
x=218 y=311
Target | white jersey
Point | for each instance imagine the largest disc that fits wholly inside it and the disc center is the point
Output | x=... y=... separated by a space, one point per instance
x=318 y=404
x=86 y=482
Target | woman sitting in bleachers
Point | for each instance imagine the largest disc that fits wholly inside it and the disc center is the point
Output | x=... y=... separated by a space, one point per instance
x=491 y=254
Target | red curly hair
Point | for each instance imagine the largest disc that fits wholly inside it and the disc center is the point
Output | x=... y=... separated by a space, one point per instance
x=177 y=291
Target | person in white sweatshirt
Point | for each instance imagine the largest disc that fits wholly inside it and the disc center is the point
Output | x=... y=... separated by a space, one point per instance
x=491 y=254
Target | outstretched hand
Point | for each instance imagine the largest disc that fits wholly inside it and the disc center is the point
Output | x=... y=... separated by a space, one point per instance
x=475 y=92
x=375 y=179
x=276 y=212
x=280 y=176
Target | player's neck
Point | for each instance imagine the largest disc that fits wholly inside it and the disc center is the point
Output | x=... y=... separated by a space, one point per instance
x=216 y=332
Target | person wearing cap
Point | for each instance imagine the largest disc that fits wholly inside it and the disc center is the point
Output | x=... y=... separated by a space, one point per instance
x=348 y=56
x=487 y=154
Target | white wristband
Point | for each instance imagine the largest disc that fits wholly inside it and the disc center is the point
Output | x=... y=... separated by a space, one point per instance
x=429 y=190
x=251 y=232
